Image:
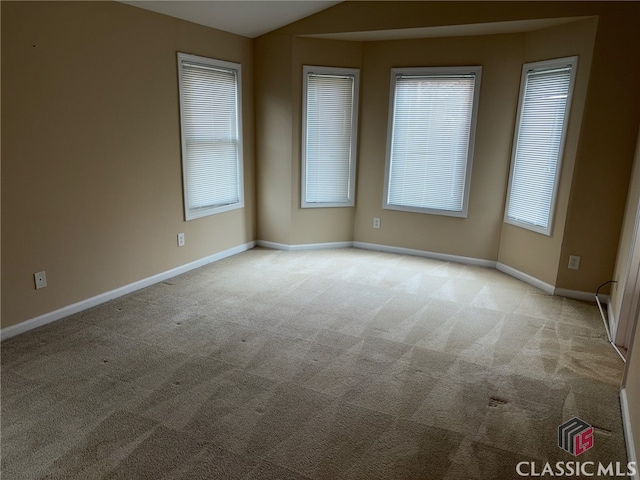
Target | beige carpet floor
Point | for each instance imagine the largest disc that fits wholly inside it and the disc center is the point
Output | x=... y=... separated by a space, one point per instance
x=342 y=364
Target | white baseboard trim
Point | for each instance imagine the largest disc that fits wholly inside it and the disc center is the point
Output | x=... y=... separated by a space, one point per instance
x=423 y=253
x=50 y=317
x=580 y=295
x=526 y=278
x=304 y=246
x=611 y=317
x=628 y=433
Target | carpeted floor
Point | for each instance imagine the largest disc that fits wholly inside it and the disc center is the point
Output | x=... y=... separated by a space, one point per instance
x=327 y=364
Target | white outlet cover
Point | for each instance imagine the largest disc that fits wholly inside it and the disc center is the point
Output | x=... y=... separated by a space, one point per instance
x=181 y=239
x=40 y=279
x=574 y=262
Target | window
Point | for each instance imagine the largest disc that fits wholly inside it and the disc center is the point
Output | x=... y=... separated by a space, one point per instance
x=543 y=110
x=432 y=117
x=210 y=106
x=329 y=113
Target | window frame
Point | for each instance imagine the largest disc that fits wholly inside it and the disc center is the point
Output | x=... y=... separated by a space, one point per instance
x=441 y=71
x=191 y=213
x=544 y=64
x=335 y=71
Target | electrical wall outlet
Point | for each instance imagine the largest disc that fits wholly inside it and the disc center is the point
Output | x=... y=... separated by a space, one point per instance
x=376 y=222
x=574 y=262
x=41 y=279
x=181 y=239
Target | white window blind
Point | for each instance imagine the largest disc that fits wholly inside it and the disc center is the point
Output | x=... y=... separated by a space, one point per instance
x=545 y=96
x=329 y=136
x=211 y=135
x=430 y=148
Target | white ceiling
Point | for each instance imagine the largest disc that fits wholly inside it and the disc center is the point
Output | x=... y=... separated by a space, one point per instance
x=252 y=18
x=249 y=18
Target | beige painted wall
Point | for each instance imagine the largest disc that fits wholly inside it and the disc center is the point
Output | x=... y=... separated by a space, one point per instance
x=0 y=170
x=534 y=253
x=626 y=235
x=273 y=137
x=606 y=151
x=279 y=62
x=478 y=235
x=317 y=225
x=632 y=373
x=104 y=142
x=599 y=154
x=632 y=387
x=91 y=178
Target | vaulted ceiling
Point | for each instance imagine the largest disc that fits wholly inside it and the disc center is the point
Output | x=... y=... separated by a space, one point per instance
x=248 y=18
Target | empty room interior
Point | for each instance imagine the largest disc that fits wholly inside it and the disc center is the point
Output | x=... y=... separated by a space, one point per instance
x=320 y=239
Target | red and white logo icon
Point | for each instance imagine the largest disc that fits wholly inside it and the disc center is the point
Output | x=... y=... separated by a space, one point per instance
x=575 y=436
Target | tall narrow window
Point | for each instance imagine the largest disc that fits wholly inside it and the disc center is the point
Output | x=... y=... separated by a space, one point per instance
x=432 y=117
x=210 y=115
x=543 y=113
x=329 y=113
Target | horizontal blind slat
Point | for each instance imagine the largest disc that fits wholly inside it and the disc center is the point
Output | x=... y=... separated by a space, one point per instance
x=430 y=141
x=329 y=136
x=211 y=136
x=538 y=143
